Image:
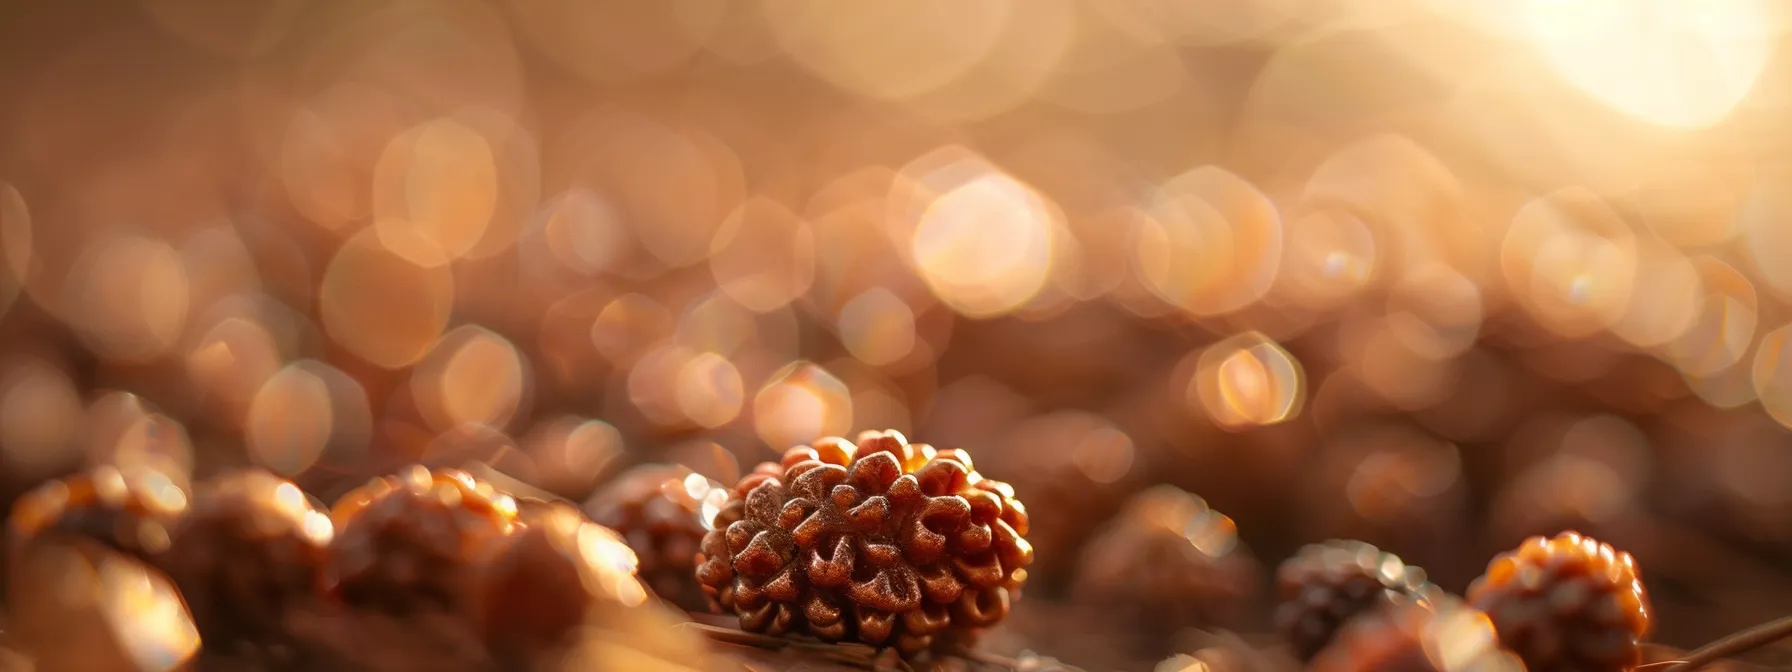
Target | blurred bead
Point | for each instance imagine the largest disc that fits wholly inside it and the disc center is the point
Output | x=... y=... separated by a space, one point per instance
x=251 y=547
x=1567 y=602
x=1168 y=562
x=1320 y=590
x=657 y=509
x=532 y=587
x=563 y=589
x=1410 y=635
x=78 y=605
x=133 y=511
x=1076 y=461
x=409 y=541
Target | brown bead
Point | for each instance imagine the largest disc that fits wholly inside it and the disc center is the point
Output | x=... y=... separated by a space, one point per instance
x=75 y=604
x=657 y=509
x=559 y=584
x=881 y=542
x=1325 y=585
x=1411 y=635
x=1567 y=603
x=409 y=541
x=251 y=545
x=129 y=510
x=533 y=587
x=1168 y=562
x=1062 y=456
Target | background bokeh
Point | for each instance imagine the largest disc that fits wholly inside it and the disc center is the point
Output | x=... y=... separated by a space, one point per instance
x=1436 y=274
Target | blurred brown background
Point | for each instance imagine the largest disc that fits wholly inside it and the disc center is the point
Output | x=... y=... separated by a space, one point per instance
x=1434 y=274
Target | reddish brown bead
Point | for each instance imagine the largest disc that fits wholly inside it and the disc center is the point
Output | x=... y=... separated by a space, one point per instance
x=657 y=509
x=883 y=542
x=539 y=581
x=129 y=510
x=251 y=545
x=562 y=589
x=75 y=604
x=1325 y=585
x=409 y=541
x=1569 y=603
x=1411 y=635
x=1168 y=562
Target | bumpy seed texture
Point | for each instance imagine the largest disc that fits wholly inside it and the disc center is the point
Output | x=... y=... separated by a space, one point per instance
x=251 y=545
x=1569 y=603
x=409 y=541
x=1410 y=635
x=1168 y=562
x=133 y=511
x=883 y=542
x=1325 y=585
x=657 y=510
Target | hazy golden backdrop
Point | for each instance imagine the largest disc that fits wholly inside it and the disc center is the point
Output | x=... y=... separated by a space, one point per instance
x=1431 y=273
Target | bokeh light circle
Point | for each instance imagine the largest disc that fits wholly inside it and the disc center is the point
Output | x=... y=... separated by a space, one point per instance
x=382 y=305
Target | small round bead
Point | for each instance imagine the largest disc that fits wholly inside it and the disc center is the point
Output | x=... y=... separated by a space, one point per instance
x=130 y=510
x=657 y=509
x=1566 y=603
x=1410 y=635
x=251 y=546
x=410 y=541
x=878 y=542
x=1166 y=563
x=1325 y=585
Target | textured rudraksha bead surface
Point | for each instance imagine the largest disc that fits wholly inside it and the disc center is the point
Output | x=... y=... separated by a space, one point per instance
x=410 y=541
x=251 y=545
x=1413 y=635
x=656 y=508
x=882 y=542
x=1325 y=585
x=1568 y=603
x=1167 y=562
x=560 y=593
x=131 y=510
x=539 y=581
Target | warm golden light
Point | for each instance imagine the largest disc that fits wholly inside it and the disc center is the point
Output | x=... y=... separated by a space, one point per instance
x=1210 y=242
x=290 y=421
x=1668 y=62
x=801 y=403
x=381 y=304
x=709 y=390
x=1773 y=375
x=474 y=376
x=15 y=244
x=984 y=245
x=1248 y=380
x=1528 y=261
x=877 y=327
x=763 y=256
x=129 y=297
x=438 y=182
x=39 y=414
